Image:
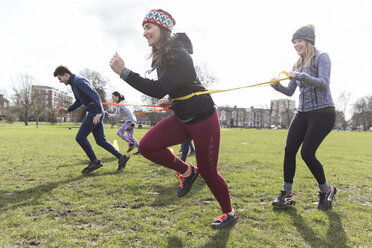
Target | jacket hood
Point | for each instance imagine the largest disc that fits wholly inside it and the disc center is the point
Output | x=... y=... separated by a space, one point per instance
x=182 y=40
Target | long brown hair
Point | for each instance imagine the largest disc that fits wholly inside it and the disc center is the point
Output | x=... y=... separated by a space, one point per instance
x=165 y=52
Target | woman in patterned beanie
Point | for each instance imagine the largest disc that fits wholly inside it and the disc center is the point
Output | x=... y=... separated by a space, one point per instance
x=315 y=117
x=195 y=117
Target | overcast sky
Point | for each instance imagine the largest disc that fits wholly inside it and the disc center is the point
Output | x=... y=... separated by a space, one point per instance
x=241 y=42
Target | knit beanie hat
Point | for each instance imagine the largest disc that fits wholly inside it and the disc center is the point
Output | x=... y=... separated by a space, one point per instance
x=305 y=33
x=161 y=18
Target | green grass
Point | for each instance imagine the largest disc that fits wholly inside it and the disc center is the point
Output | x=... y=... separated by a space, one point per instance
x=46 y=202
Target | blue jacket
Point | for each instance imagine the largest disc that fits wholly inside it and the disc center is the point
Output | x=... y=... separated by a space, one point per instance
x=86 y=95
x=313 y=82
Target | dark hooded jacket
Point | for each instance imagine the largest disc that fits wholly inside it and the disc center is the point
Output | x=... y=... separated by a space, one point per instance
x=85 y=94
x=177 y=79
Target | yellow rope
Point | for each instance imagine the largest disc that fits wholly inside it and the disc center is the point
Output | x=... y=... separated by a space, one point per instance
x=217 y=91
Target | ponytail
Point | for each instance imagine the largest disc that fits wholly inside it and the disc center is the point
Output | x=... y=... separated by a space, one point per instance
x=117 y=94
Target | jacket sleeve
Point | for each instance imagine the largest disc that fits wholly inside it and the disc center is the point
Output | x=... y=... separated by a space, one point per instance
x=171 y=78
x=286 y=90
x=116 y=114
x=87 y=89
x=324 y=72
x=74 y=106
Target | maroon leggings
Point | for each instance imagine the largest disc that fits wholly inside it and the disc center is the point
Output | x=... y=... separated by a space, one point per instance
x=206 y=135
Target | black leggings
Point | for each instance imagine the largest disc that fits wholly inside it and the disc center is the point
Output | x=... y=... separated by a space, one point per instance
x=308 y=129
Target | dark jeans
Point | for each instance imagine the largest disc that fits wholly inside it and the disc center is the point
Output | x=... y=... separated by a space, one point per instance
x=88 y=127
x=308 y=129
x=185 y=149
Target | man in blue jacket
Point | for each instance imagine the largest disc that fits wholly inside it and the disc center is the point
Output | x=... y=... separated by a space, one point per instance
x=86 y=95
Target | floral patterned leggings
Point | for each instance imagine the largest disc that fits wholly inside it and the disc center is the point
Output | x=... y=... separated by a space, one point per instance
x=129 y=128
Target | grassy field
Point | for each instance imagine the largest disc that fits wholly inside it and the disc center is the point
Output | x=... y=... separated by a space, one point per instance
x=45 y=201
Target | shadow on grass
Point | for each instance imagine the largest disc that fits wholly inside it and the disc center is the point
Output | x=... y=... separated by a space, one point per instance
x=168 y=193
x=219 y=240
x=76 y=163
x=85 y=162
x=336 y=235
x=174 y=242
x=31 y=196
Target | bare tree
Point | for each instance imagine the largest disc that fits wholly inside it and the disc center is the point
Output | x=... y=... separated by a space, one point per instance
x=205 y=77
x=99 y=82
x=275 y=113
x=289 y=113
x=22 y=97
x=363 y=112
x=38 y=103
x=4 y=105
x=52 y=113
x=342 y=104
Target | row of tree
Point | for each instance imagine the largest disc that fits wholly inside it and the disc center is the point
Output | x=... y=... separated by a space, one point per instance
x=31 y=103
x=28 y=102
x=362 y=113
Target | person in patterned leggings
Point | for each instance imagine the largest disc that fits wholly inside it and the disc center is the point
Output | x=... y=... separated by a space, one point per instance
x=129 y=120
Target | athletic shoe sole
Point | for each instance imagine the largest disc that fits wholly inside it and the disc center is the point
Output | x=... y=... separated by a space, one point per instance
x=89 y=170
x=285 y=205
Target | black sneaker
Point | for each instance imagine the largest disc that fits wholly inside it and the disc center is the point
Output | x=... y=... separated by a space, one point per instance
x=326 y=198
x=92 y=166
x=122 y=162
x=131 y=147
x=186 y=182
x=192 y=153
x=137 y=153
x=283 y=199
x=224 y=220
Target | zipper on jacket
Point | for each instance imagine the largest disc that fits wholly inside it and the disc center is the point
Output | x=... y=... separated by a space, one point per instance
x=316 y=98
x=303 y=100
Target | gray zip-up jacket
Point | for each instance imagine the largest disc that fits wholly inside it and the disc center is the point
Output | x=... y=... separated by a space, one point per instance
x=313 y=82
x=124 y=113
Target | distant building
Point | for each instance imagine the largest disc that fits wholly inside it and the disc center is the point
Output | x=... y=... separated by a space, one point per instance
x=279 y=114
x=4 y=104
x=258 y=118
x=227 y=116
x=282 y=112
x=55 y=98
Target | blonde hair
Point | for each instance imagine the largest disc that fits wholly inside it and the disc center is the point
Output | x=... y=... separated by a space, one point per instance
x=305 y=61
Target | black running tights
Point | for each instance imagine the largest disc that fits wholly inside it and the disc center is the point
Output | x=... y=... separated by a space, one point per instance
x=308 y=129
